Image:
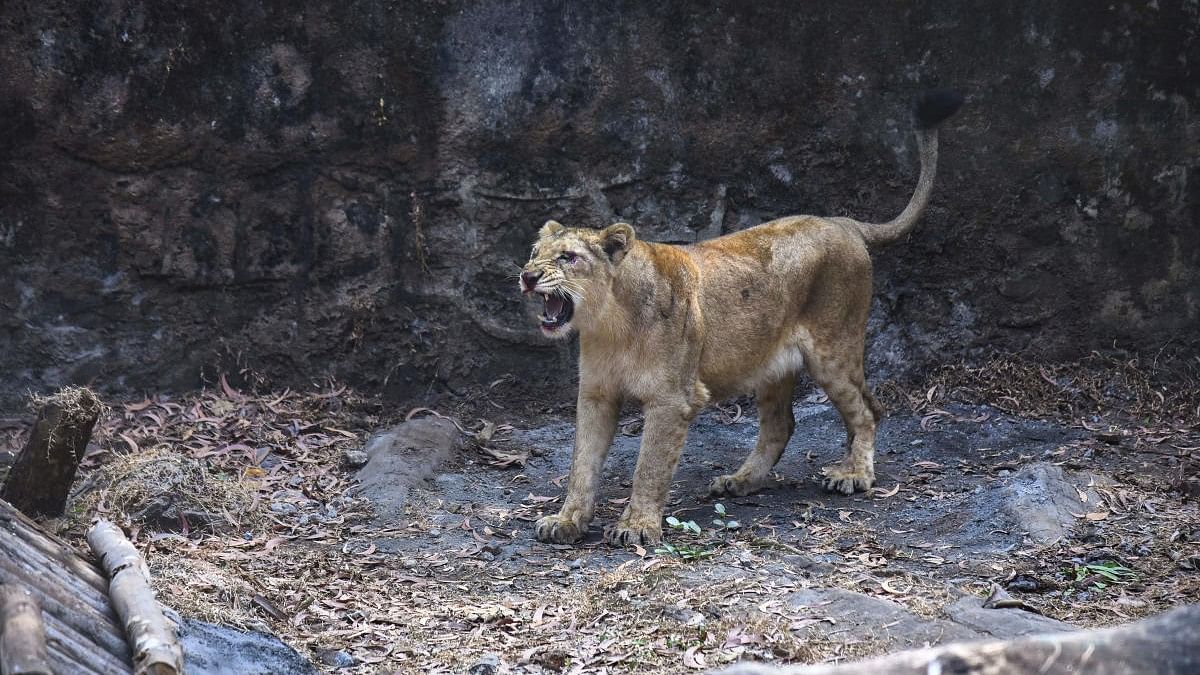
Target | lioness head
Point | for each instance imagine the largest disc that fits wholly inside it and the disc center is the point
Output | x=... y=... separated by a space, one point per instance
x=572 y=270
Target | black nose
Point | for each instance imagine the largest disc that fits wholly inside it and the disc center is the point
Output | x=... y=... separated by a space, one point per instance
x=530 y=279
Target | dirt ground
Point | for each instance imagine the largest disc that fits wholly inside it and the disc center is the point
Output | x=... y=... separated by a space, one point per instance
x=1066 y=495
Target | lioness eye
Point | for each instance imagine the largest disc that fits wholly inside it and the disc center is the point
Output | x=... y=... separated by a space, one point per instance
x=568 y=257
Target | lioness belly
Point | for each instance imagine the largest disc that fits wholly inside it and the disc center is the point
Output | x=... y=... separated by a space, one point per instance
x=730 y=379
x=786 y=361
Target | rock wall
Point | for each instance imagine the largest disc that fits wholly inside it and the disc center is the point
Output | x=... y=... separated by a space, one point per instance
x=296 y=190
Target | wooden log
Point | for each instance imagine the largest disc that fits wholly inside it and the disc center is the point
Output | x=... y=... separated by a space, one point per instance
x=41 y=475
x=19 y=527
x=71 y=652
x=1167 y=644
x=22 y=634
x=81 y=622
x=156 y=649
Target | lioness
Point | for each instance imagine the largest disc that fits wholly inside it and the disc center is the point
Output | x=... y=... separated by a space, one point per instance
x=677 y=326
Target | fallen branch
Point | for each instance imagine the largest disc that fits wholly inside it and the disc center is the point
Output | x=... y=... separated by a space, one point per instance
x=23 y=640
x=41 y=476
x=156 y=649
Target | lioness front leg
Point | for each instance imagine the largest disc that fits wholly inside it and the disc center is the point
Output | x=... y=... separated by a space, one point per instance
x=662 y=442
x=596 y=423
x=775 y=425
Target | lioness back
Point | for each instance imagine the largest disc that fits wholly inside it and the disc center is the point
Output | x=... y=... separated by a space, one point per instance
x=761 y=288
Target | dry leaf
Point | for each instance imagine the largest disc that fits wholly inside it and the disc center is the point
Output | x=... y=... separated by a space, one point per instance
x=879 y=493
x=693 y=659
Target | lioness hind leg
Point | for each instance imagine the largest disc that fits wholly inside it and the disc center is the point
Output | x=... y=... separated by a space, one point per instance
x=841 y=377
x=776 y=424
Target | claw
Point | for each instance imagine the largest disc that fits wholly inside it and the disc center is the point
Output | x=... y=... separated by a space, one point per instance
x=625 y=534
x=558 y=529
x=838 y=478
x=730 y=486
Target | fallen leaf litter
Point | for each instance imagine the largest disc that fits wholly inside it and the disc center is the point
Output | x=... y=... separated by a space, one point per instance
x=268 y=535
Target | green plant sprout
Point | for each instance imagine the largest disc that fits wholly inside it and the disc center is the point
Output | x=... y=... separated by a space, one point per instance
x=702 y=549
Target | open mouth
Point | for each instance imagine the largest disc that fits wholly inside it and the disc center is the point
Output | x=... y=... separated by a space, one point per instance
x=557 y=311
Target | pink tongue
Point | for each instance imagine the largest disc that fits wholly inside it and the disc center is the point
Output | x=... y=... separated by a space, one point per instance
x=554 y=305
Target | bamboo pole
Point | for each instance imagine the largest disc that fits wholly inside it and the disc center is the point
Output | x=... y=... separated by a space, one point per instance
x=156 y=649
x=23 y=641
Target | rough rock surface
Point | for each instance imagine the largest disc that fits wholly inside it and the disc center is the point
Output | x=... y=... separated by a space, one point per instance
x=1168 y=644
x=856 y=616
x=209 y=649
x=1046 y=502
x=402 y=457
x=1000 y=623
x=310 y=188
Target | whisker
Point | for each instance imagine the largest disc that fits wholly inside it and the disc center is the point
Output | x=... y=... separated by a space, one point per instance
x=573 y=290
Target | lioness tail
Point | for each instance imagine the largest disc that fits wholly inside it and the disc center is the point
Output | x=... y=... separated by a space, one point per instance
x=930 y=109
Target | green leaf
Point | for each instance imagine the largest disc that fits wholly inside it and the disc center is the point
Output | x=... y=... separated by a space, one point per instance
x=733 y=525
x=719 y=508
x=718 y=522
x=673 y=521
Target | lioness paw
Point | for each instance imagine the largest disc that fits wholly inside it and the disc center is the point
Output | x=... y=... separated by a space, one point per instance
x=731 y=486
x=633 y=532
x=838 y=478
x=559 y=529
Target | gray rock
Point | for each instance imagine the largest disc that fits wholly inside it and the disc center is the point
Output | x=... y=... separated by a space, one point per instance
x=859 y=616
x=808 y=564
x=355 y=458
x=336 y=658
x=1004 y=624
x=855 y=615
x=1042 y=498
x=209 y=649
x=488 y=665
x=403 y=457
x=164 y=513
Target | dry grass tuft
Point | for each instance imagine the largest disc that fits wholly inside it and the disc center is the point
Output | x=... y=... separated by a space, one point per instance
x=78 y=404
x=159 y=483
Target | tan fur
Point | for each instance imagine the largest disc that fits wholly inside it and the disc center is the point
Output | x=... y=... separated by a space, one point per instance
x=674 y=327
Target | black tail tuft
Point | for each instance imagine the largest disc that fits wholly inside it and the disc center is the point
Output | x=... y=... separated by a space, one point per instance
x=935 y=106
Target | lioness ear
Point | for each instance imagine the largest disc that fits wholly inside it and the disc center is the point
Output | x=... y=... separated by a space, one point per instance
x=616 y=240
x=550 y=228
